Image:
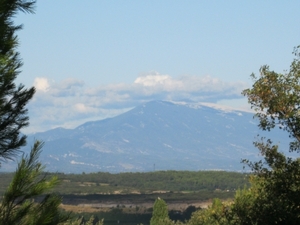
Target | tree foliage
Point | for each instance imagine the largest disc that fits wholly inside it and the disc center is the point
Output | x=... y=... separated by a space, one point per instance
x=276 y=184
x=275 y=98
x=160 y=214
x=147 y=182
x=26 y=200
x=13 y=99
x=213 y=215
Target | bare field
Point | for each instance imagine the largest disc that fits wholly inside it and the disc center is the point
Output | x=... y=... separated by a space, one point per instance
x=129 y=207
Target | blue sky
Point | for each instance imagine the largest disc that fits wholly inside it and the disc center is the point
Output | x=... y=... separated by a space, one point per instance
x=95 y=59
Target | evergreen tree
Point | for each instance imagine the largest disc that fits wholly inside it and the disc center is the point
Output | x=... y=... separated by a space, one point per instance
x=26 y=200
x=160 y=214
x=13 y=99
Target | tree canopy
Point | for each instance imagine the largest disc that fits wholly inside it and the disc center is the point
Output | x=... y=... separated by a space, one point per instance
x=275 y=190
x=275 y=98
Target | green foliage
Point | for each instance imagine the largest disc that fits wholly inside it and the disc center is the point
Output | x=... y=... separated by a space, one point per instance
x=160 y=213
x=12 y=99
x=213 y=215
x=243 y=207
x=175 y=181
x=275 y=98
x=26 y=200
x=20 y=204
x=275 y=186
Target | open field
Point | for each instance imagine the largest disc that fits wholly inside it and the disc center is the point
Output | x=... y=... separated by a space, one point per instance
x=131 y=208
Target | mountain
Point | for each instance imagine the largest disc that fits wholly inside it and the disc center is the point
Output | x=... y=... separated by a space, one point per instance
x=157 y=135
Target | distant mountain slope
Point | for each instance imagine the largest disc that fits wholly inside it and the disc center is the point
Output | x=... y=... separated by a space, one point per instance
x=157 y=135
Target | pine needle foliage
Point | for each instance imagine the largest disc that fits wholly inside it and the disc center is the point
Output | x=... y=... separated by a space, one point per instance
x=13 y=98
x=27 y=199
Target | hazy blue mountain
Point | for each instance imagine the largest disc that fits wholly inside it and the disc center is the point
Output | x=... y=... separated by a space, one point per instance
x=157 y=135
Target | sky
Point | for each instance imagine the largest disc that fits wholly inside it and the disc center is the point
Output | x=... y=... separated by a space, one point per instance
x=94 y=59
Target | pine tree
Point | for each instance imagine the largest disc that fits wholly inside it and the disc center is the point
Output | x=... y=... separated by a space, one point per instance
x=27 y=199
x=19 y=204
x=13 y=99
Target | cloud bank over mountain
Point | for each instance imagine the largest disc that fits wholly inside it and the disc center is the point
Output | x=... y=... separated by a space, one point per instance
x=70 y=102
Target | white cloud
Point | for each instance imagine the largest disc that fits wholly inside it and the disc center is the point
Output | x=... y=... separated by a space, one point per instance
x=41 y=84
x=152 y=80
x=69 y=103
x=82 y=108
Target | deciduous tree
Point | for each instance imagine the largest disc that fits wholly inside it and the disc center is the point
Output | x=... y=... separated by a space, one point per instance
x=275 y=190
x=213 y=215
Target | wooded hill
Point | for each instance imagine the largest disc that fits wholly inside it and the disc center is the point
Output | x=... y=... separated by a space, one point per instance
x=124 y=183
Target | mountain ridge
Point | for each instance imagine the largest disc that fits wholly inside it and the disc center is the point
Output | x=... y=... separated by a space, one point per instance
x=155 y=135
